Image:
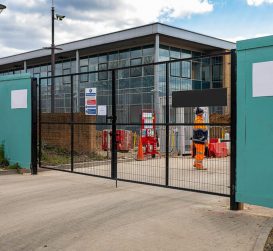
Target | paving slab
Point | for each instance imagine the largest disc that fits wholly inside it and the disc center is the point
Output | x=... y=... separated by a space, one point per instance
x=62 y=211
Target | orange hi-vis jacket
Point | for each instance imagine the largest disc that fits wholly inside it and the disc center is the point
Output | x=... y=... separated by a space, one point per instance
x=200 y=132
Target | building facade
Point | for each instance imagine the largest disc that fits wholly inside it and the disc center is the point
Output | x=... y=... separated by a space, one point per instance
x=138 y=88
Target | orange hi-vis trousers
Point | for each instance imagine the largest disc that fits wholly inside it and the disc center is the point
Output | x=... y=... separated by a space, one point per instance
x=200 y=154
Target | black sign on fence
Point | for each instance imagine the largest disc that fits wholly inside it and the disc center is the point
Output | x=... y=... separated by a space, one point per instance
x=208 y=97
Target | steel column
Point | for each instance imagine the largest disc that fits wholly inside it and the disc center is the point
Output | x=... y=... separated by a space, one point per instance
x=114 y=128
x=40 y=124
x=233 y=204
x=72 y=122
x=167 y=124
x=34 y=126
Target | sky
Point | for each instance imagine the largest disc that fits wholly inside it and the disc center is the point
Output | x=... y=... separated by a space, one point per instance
x=26 y=24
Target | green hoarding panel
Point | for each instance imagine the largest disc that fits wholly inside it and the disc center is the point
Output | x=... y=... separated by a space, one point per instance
x=254 y=123
x=15 y=125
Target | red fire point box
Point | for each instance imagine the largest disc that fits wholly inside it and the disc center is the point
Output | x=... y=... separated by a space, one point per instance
x=148 y=133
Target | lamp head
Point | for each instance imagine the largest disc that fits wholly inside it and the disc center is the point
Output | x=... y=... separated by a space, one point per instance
x=59 y=17
x=2 y=7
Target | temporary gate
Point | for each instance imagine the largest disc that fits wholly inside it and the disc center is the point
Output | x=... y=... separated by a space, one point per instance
x=71 y=130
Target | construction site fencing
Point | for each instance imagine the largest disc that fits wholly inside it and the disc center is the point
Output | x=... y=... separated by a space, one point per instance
x=121 y=124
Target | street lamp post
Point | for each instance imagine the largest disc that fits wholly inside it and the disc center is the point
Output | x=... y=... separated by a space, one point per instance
x=52 y=58
x=2 y=7
x=53 y=48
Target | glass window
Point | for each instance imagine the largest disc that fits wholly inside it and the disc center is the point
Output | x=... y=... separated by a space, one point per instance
x=136 y=71
x=172 y=115
x=148 y=70
x=113 y=56
x=196 y=70
x=84 y=77
x=175 y=84
x=30 y=70
x=217 y=73
x=93 y=60
x=175 y=53
x=36 y=70
x=124 y=54
x=123 y=84
x=84 y=62
x=44 y=68
x=196 y=54
x=148 y=50
x=217 y=60
x=136 y=84
x=58 y=69
x=136 y=52
x=196 y=85
x=125 y=72
x=93 y=77
x=164 y=53
x=113 y=64
x=206 y=69
x=17 y=72
x=205 y=85
x=103 y=58
x=185 y=54
x=175 y=69
x=217 y=84
x=66 y=65
x=36 y=75
x=49 y=75
x=186 y=69
x=186 y=85
x=103 y=75
x=66 y=79
x=148 y=82
x=73 y=66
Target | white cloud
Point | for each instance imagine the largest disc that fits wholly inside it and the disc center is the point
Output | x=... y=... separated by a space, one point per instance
x=239 y=38
x=258 y=2
x=26 y=23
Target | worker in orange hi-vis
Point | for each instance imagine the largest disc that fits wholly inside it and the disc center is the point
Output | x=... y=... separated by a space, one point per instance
x=200 y=136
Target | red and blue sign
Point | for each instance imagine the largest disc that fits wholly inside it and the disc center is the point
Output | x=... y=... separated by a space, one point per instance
x=91 y=101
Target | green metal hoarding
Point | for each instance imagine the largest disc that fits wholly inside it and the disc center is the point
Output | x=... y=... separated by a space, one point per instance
x=254 y=182
x=16 y=118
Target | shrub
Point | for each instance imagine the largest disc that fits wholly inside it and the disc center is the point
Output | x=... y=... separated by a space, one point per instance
x=3 y=160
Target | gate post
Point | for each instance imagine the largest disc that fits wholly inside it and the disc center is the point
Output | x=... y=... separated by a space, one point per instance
x=34 y=126
x=114 y=128
x=167 y=125
x=233 y=204
x=40 y=125
x=72 y=122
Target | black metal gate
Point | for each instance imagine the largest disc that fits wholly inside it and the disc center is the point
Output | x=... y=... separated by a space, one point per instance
x=108 y=145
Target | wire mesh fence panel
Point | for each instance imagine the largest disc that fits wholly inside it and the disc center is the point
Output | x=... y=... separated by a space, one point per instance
x=90 y=150
x=214 y=177
x=92 y=91
x=200 y=162
x=137 y=161
x=56 y=146
x=136 y=120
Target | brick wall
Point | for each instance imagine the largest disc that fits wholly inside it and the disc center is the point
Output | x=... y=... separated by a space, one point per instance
x=86 y=137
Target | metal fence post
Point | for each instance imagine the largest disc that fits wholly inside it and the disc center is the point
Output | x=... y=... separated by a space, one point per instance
x=34 y=126
x=114 y=128
x=167 y=125
x=233 y=204
x=40 y=124
x=72 y=122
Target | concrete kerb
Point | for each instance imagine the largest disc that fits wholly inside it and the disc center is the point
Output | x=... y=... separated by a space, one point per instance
x=262 y=238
